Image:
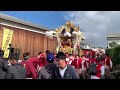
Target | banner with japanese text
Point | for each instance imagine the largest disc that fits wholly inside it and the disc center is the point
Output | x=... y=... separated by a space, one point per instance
x=7 y=38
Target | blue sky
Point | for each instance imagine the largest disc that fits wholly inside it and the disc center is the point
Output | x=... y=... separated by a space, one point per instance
x=49 y=19
x=95 y=25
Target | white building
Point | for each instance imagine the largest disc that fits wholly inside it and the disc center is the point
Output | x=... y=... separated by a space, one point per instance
x=84 y=45
x=113 y=38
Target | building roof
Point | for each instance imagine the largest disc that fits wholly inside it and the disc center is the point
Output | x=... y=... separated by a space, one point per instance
x=83 y=42
x=23 y=22
x=113 y=35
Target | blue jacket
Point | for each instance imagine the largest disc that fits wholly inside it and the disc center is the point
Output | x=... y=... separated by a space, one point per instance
x=70 y=73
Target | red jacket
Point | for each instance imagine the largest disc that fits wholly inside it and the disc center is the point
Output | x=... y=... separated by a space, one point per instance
x=93 y=60
x=32 y=67
x=107 y=62
x=102 y=61
x=77 y=63
x=93 y=52
x=69 y=60
x=98 y=70
x=85 y=64
x=23 y=63
x=42 y=60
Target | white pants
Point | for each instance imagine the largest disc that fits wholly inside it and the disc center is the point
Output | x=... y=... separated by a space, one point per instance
x=94 y=77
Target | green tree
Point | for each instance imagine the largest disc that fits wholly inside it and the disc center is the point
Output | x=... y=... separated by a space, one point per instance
x=112 y=44
x=114 y=53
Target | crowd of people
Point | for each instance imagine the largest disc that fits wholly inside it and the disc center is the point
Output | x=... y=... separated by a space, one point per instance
x=48 y=65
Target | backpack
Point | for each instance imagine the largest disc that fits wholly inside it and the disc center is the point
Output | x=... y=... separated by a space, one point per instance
x=93 y=69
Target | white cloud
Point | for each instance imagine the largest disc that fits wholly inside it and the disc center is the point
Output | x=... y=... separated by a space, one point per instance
x=91 y=13
x=96 y=24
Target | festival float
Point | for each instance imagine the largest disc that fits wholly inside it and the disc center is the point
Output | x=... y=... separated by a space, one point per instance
x=68 y=38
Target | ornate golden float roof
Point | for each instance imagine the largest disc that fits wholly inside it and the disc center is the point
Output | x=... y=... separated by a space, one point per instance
x=67 y=26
